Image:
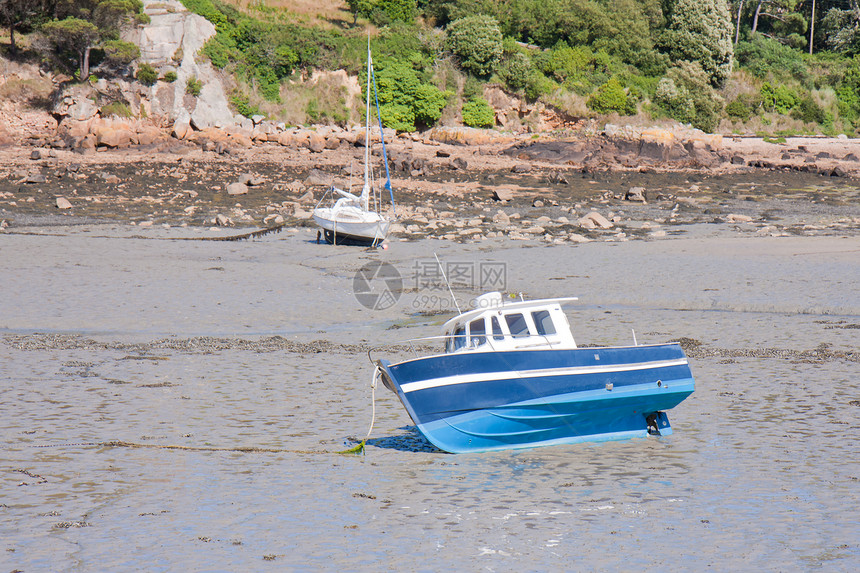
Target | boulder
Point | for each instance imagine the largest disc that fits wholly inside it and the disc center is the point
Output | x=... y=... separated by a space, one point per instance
x=502 y=194
x=316 y=142
x=286 y=139
x=237 y=188
x=593 y=220
x=635 y=194
x=116 y=138
x=63 y=203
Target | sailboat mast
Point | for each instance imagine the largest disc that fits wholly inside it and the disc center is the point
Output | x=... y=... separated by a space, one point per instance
x=366 y=191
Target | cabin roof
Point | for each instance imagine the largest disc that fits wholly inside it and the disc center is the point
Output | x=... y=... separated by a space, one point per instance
x=491 y=302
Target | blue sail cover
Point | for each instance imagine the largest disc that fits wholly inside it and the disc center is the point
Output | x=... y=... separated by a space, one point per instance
x=382 y=137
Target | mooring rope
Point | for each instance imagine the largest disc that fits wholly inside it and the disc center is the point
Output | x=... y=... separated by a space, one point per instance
x=239 y=449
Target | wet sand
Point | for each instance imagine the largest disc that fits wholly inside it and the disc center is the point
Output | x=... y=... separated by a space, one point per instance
x=249 y=360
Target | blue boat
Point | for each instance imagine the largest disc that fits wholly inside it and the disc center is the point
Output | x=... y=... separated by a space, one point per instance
x=512 y=376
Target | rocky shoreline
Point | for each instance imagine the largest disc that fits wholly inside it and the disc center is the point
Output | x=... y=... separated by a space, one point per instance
x=453 y=183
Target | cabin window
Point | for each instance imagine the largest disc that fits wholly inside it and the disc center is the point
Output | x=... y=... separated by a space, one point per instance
x=517 y=324
x=543 y=322
x=477 y=330
x=497 y=329
x=459 y=337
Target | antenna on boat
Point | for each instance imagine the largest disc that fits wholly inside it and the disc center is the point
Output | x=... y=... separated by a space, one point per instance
x=634 y=337
x=447 y=283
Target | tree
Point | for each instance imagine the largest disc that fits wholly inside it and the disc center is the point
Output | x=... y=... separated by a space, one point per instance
x=477 y=41
x=701 y=31
x=74 y=36
x=17 y=13
x=359 y=8
x=89 y=24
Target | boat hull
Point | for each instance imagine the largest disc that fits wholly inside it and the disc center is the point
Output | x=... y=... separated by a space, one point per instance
x=345 y=232
x=484 y=401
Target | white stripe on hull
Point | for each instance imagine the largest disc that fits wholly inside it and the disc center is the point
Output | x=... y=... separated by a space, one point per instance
x=513 y=374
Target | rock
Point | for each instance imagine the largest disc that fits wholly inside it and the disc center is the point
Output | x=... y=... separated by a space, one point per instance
x=502 y=194
x=223 y=220
x=521 y=168
x=182 y=125
x=735 y=218
x=237 y=189
x=257 y=119
x=307 y=197
x=737 y=160
x=593 y=220
x=501 y=218
x=35 y=178
x=838 y=172
x=286 y=139
x=850 y=157
x=459 y=163
x=316 y=142
x=273 y=219
x=63 y=203
x=109 y=178
x=443 y=153
x=466 y=136
x=535 y=230
x=116 y=138
x=635 y=194
x=332 y=142
x=317 y=177
x=537 y=203
x=36 y=154
x=251 y=180
x=576 y=238
x=147 y=135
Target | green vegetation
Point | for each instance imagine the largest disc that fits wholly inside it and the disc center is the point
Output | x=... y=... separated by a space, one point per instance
x=716 y=65
x=146 y=74
x=170 y=77
x=193 y=86
x=116 y=108
x=478 y=113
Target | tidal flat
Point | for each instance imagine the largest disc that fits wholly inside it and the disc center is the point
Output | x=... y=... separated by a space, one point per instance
x=173 y=404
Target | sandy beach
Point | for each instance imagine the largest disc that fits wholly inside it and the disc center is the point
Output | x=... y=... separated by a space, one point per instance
x=183 y=399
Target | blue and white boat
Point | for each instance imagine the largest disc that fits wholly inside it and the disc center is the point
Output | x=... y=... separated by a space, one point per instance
x=512 y=376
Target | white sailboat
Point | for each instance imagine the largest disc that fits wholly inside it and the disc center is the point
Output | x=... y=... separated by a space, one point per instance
x=358 y=219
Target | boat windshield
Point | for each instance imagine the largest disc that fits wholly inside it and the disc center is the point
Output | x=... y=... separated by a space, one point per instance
x=543 y=322
x=477 y=330
x=517 y=324
x=497 y=329
x=459 y=337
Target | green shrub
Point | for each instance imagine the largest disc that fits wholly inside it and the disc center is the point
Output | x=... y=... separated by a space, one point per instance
x=119 y=53
x=686 y=95
x=514 y=70
x=779 y=99
x=169 y=77
x=477 y=41
x=193 y=86
x=737 y=109
x=538 y=85
x=242 y=104
x=146 y=74
x=809 y=111
x=611 y=97
x=763 y=56
x=116 y=108
x=478 y=113
x=405 y=101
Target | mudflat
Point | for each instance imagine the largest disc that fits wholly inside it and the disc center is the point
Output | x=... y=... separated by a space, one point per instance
x=176 y=402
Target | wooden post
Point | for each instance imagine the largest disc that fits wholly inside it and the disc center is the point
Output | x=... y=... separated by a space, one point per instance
x=811 y=27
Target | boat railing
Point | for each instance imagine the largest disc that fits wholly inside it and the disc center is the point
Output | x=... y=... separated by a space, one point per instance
x=488 y=339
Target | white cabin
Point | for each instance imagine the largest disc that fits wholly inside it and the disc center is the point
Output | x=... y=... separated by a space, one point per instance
x=517 y=325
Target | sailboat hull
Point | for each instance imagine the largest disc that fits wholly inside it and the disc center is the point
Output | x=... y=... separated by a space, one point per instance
x=341 y=231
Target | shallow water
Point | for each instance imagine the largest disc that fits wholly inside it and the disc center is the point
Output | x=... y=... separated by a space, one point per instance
x=139 y=340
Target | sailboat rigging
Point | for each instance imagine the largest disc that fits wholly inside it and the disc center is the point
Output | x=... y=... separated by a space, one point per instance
x=352 y=219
